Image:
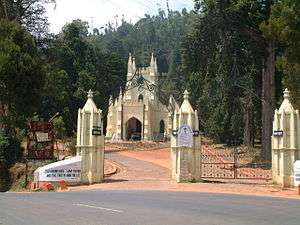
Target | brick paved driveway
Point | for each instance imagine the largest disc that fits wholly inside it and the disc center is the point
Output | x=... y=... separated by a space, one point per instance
x=133 y=169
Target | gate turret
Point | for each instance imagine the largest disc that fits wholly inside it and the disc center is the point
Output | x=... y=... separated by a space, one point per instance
x=285 y=142
x=90 y=142
x=186 y=143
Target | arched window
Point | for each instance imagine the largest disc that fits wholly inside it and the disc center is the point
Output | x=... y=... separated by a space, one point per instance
x=161 y=127
x=141 y=98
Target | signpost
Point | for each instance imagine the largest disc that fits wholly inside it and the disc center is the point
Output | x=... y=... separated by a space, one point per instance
x=40 y=140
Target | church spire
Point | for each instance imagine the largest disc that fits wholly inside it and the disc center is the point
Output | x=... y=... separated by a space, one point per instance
x=133 y=65
x=152 y=60
x=153 y=65
x=129 y=69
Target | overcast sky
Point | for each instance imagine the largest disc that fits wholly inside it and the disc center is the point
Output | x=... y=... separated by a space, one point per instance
x=102 y=11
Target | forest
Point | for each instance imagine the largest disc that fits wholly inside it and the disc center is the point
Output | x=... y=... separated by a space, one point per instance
x=234 y=56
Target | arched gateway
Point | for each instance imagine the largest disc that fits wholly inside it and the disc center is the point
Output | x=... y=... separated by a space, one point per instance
x=133 y=129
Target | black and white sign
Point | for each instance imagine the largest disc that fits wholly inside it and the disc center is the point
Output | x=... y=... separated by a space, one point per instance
x=185 y=136
x=278 y=133
x=96 y=131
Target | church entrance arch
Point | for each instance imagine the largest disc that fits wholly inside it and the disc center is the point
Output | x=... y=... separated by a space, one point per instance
x=133 y=129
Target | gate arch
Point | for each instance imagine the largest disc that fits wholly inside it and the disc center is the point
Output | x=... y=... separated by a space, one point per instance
x=133 y=129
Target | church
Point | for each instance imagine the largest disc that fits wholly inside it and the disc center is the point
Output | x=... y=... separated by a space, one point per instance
x=138 y=114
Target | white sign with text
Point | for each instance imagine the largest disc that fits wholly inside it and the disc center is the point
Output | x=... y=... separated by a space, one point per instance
x=185 y=136
x=68 y=170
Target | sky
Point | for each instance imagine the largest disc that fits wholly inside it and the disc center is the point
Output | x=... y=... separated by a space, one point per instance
x=99 y=12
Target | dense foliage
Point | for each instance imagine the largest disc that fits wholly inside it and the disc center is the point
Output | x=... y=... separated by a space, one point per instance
x=21 y=76
x=75 y=65
x=10 y=152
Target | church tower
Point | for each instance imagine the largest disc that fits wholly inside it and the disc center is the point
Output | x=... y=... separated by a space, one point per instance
x=138 y=113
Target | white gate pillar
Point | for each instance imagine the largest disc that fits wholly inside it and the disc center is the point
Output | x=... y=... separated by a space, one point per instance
x=285 y=142
x=90 y=142
x=186 y=143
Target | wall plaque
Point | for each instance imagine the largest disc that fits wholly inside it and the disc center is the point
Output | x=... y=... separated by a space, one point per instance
x=185 y=136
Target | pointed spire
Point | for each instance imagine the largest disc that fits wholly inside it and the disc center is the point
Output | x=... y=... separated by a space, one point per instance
x=286 y=104
x=90 y=94
x=121 y=92
x=152 y=60
x=110 y=100
x=129 y=60
x=155 y=65
x=129 y=68
x=186 y=95
x=286 y=94
x=90 y=104
x=133 y=65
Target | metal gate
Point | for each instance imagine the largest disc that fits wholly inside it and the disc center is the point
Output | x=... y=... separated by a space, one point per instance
x=232 y=164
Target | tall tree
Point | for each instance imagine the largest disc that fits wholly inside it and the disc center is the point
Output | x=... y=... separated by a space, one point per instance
x=30 y=13
x=222 y=69
x=21 y=75
x=283 y=27
x=75 y=65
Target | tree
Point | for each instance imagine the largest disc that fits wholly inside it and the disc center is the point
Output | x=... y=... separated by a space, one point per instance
x=10 y=151
x=59 y=127
x=283 y=28
x=222 y=69
x=21 y=76
x=75 y=65
x=26 y=12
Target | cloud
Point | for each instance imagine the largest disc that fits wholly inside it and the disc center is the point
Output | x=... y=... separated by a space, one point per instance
x=103 y=11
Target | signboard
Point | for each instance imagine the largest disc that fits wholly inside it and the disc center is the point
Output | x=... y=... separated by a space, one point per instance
x=96 y=131
x=68 y=170
x=297 y=173
x=278 y=133
x=42 y=137
x=185 y=136
x=40 y=140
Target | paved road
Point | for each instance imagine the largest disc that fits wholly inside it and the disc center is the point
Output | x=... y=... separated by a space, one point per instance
x=144 y=208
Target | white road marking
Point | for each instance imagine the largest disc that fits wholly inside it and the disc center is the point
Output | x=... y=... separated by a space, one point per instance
x=98 y=207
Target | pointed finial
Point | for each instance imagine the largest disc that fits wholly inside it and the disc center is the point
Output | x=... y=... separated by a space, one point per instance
x=90 y=94
x=186 y=95
x=129 y=59
x=133 y=63
x=286 y=94
x=121 y=93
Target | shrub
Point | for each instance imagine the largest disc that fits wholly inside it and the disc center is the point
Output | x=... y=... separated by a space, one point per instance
x=59 y=127
x=10 y=152
x=4 y=178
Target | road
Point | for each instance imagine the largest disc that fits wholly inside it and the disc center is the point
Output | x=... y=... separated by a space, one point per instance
x=144 y=208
